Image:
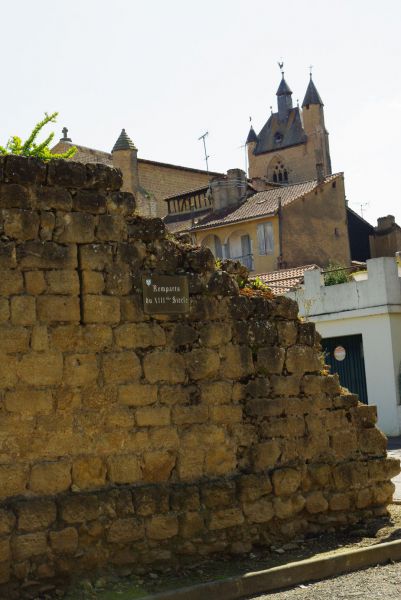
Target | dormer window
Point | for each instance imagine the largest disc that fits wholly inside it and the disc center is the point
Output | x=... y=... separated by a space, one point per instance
x=278 y=138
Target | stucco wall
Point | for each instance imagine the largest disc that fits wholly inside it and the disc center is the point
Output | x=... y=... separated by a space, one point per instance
x=262 y=264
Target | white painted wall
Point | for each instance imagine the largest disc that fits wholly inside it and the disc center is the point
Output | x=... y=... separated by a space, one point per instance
x=371 y=308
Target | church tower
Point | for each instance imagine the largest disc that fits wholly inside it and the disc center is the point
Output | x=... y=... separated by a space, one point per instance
x=315 y=129
x=293 y=144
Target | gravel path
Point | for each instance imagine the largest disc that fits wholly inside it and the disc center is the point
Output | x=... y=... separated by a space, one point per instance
x=373 y=584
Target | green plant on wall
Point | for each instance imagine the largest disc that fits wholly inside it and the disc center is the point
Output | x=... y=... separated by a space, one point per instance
x=31 y=148
x=335 y=273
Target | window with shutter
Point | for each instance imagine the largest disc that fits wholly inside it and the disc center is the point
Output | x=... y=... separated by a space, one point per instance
x=265 y=238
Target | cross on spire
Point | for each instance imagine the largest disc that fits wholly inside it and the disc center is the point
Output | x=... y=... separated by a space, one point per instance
x=65 y=137
x=310 y=71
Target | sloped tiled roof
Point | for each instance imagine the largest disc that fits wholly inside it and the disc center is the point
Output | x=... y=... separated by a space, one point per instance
x=260 y=204
x=281 y=282
x=84 y=154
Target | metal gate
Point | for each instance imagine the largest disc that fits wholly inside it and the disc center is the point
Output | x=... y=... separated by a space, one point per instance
x=345 y=356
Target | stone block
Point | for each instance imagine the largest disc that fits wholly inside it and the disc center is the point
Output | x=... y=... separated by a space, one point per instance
x=320 y=474
x=364 y=415
x=164 y=366
x=216 y=392
x=183 y=415
x=118 y=282
x=252 y=487
x=21 y=169
x=237 y=362
x=287 y=427
x=111 y=228
x=384 y=468
x=101 y=309
x=13 y=195
x=29 y=545
x=316 y=503
x=286 y=508
x=46 y=255
x=63 y=282
x=260 y=511
x=23 y=310
x=90 y=201
x=287 y=333
x=303 y=359
x=372 y=441
x=80 y=369
x=202 y=364
x=81 y=338
x=7 y=521
x=158 y=465
x=39 y=338
x=120 y=367
x=47 y=224
x=79 y=508
x=92 y=282
x=14 y=339
x=29 y=402
x=350 y=475
x=8 y=367
x=220 y=460
x=5 y=550
x=162 y=527
x=137 y=394
x=36 y=514
x=270 y=360
x=364 y=498
x=190 y=464
x=13 y=480
x=258 y=387
x=41 y=368
x=285 y=385
x=20 y=224
x=102 y=177
x=344 y=443
x=35 y=283
x=8 y=255
x=124 y=469
x=50 y=477
x=58 y=308
x=132 y=309
x=286 y=481
x=96 y=257
x=226 y=413
x=124 y=531
x=265 y=455
x=64 y=541
x=218 y=494
x=306 y=333
x=191 y=524
x=4 y=309
x=182 y=334
x=215 y=334
x=139 y=335
x=164 y=437
x=223 y=519
x=341 y=501
x=88 y=472
x=152 y=416
x=120 y=202
x=66 y=173
x=11 y=282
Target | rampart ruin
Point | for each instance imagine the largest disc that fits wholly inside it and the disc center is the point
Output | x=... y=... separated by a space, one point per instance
x=145 y=439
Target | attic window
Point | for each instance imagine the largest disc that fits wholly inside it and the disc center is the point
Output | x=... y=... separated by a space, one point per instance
x=278 y=138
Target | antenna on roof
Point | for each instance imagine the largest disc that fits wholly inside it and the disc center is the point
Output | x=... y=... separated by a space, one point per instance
x=281 y=66
x=362 y=206
x=202 y=137
x=310 y=71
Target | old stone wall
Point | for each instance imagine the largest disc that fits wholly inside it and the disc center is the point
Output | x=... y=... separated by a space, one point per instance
x=130 y=439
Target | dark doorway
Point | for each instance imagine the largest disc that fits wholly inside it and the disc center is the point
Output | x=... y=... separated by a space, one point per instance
x=345 y=356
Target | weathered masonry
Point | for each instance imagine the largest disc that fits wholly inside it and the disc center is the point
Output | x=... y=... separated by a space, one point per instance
x=133 y=438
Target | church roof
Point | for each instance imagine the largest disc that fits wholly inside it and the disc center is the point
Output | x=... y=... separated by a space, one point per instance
x=281 y=282
x=283 y=88
x=124 y=142
x=252 y=137
x=277 y=134
x=312 y=95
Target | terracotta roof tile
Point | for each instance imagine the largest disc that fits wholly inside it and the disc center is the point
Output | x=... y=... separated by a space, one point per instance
x=281 y=282
x=260 y=204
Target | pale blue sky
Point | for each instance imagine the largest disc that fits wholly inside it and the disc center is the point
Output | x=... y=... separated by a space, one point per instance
x=169 y=70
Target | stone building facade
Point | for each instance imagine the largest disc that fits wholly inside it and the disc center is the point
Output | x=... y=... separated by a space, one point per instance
x=148 y=180
x=136 y=439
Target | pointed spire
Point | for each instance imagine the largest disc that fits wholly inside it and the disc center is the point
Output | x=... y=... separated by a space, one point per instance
x=124 y=142
x=252 y=137
x=312 y=95
x=283 y=88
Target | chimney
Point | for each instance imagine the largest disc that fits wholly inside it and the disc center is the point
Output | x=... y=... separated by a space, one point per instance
x=230 y=189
